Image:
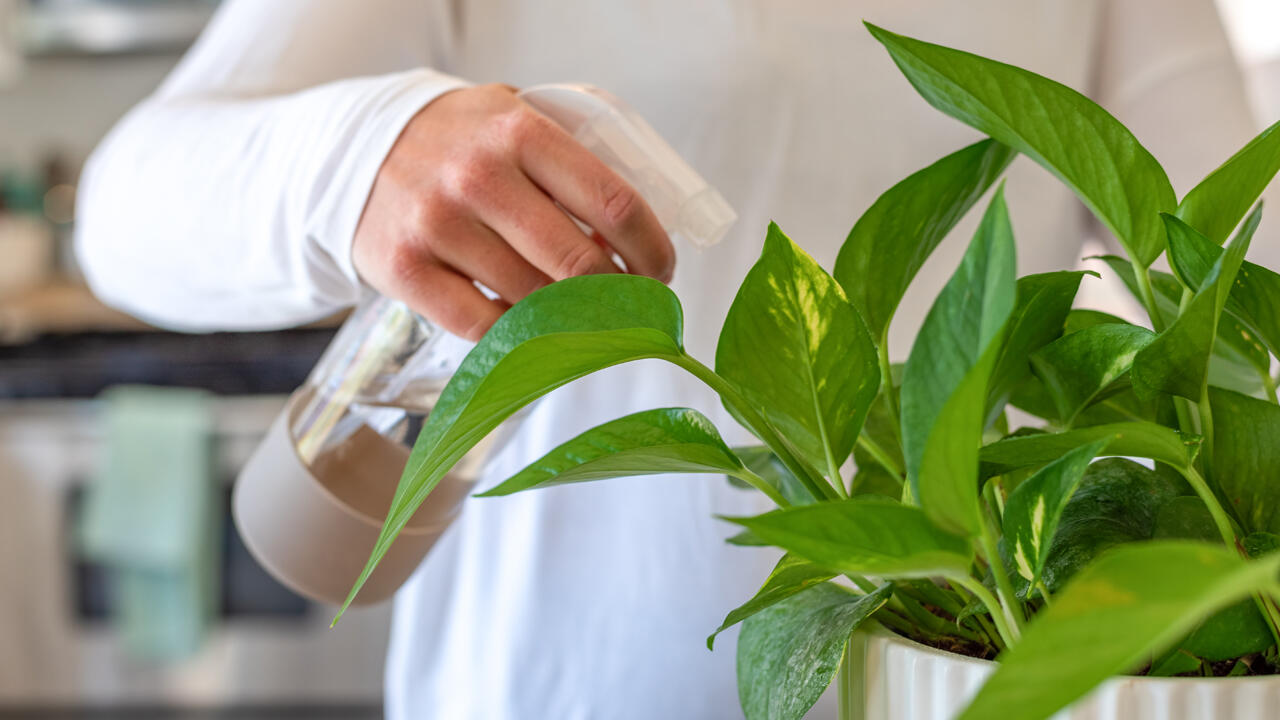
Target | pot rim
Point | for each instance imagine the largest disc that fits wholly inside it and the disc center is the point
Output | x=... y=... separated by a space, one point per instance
x=880 y=631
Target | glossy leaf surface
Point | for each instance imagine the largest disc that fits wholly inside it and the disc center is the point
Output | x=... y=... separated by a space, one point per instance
x=761 y=461
x=1033 y=509
x=1177 y=361
x=798 y=350
x=1255 y=297
x=1061 y=129
x=1246 y=458
x=1117 y=502
x=1236 y=359
x=789 y=653
x=864 y=535
x=1038 y=318
x=944 y=386
x=893 y=238
x=1135 y=439
x=666 y=440
x=1079 y=367
x=555 y=335
x=1133 y=602
x=1230 y=633
x=789 y=576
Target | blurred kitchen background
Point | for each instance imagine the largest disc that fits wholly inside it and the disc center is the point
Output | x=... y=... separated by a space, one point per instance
x=91 y=626
x=95 y=623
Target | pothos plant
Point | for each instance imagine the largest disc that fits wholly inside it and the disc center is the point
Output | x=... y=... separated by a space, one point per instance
x=1021 y=545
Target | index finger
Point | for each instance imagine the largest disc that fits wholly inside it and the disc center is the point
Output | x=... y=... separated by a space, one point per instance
x=596 y=195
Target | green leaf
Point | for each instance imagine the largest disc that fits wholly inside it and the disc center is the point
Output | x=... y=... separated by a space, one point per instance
x=944 y=384
x=1177 y=361
x=1032 y=512
x=1062 y=130
x=1254 y=299
x=1131 y=603
x=651 y=442
x=798 y=351
x=1236 y=356
x=761 y=461
x=1078 y=368
x=745 y=539
x=1260 y=543
x=893 y=238
x=1186 y=518
x=1080 y=319
x=1044 y=301
x=1246 y=458
x=789 y=576
x=1234 y=631
x=1178 y=662
x=864 y=535
x=881 y=426
x=555 y=335
x=1135 y=439
x=1118 y=502
x=1215 y=205
x=788 y=654
x=872 y=478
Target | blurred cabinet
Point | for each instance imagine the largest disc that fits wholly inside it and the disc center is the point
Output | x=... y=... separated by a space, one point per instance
x=55 y=647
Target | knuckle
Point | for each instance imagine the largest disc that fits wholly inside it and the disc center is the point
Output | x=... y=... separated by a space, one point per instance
x=520 y=125
x=428 y=211
x=406 y=264
x=580 y=259
x=622 y=205
x=469 y=177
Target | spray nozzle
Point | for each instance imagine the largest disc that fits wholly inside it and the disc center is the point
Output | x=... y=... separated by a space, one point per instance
x=685 y=204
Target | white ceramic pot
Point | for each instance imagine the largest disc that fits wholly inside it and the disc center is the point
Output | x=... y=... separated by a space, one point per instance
x=904 y=680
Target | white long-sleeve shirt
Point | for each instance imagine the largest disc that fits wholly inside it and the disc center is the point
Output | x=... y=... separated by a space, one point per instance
x=229 y=200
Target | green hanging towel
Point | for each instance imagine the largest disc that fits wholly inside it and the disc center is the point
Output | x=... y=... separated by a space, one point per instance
x=153 y=517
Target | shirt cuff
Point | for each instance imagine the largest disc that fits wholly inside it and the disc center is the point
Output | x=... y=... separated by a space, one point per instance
x=390 y=101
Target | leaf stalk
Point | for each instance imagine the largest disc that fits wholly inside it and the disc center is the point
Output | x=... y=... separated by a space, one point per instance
x=820 y=489
x=1008 y=634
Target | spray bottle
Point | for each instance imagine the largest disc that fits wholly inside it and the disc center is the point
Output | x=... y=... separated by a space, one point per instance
x=311 y=500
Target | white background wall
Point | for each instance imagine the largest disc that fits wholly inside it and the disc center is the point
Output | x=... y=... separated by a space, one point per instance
x=1254 y=27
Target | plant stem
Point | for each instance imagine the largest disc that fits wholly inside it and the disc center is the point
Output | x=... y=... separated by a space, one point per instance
x=1216 y=511
x=940 y=597
x=762 y=485
x=1270 y=385
x=995 y=498
x=817 y=487
x=1206 y=434
x=887 y=617
x=837 y=481
x=1266 y=605
x=1185 y=300
x=1143 y=278
x=1008 y=599
x=1182 y=407
x=1271 y=614
x=1008 y=633
x=882 y=456
x=931 y=623
x=992 y=635
x=1044 y=592
x=886 y=385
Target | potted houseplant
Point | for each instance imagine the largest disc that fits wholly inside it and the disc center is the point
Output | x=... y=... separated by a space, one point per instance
x=993 y=570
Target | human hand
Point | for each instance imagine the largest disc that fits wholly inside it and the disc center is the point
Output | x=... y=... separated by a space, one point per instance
x=469 y=194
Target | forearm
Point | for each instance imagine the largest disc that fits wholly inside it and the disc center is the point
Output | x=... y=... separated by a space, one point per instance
x=210 y=212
